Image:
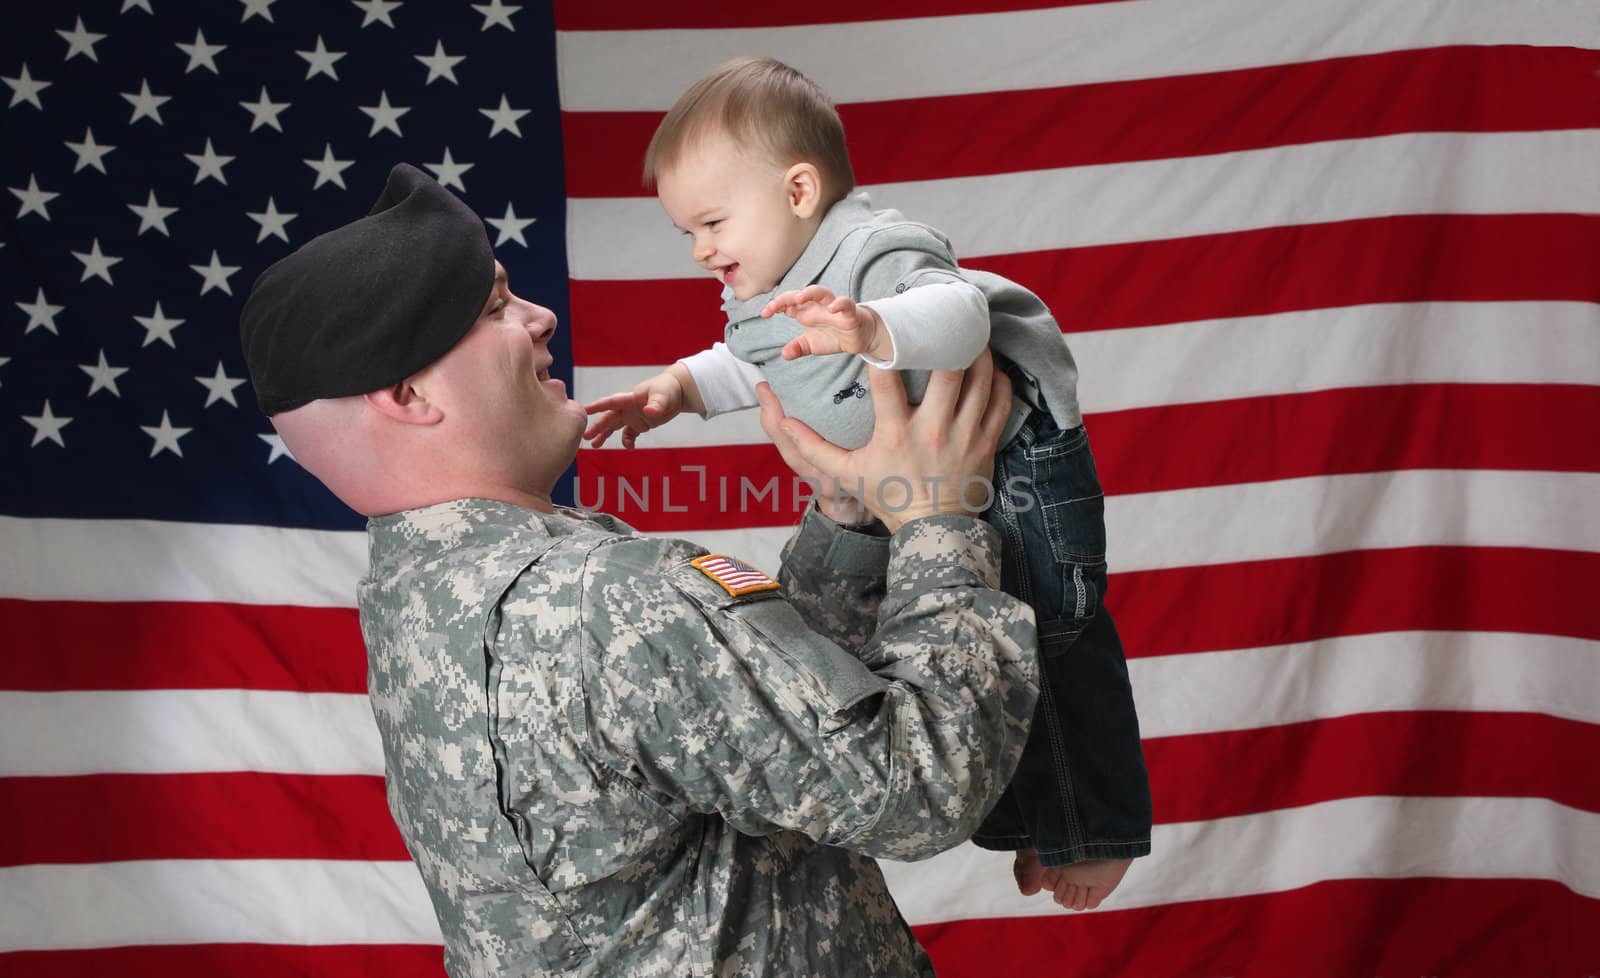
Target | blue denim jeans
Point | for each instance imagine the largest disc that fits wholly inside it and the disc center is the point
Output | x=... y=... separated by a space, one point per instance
x=1081 y=790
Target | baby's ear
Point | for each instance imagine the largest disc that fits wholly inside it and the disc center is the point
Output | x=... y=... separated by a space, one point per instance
x=803 y=186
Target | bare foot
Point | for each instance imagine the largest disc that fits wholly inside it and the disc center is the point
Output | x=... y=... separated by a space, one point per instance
x=1081 y=886
x=1029 y=874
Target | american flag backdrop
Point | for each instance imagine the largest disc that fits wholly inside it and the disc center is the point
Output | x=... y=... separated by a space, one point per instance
x=1330 y=268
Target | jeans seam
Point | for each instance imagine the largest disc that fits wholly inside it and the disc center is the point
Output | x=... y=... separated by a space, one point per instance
x=1063 y=770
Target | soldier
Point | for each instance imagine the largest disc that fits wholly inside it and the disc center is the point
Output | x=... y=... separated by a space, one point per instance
x=612 y=754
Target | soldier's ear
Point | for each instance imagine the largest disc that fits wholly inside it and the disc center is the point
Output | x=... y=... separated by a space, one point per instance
x=404 y=402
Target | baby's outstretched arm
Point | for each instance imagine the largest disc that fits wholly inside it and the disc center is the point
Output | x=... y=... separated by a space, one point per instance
x=834 y=324
x=650 y=404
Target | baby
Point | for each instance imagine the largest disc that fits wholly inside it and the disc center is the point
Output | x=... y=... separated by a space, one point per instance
x=751 y=167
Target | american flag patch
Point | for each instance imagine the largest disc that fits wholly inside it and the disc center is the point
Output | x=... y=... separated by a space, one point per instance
x=735 y=576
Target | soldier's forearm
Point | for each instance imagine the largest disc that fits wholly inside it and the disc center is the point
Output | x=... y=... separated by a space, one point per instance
x=963 y=660
x=834 y=576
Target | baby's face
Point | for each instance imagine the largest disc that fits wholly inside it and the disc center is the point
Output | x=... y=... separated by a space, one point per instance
x=737 y=211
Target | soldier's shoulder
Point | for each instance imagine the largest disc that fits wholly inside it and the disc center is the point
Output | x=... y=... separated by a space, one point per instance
x=638 y=557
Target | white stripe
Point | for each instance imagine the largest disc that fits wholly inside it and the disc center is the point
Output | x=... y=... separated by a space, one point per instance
x=599 y=70
x=183 y=732
x=1243 y=689
x=207 y=901
x=146 y=560
x=628 y=238
x=169 y=731
x=613 y=238
x=51 y=907
x=1258 y=356
x=1351 y=838
x=1311 y=516
x=1177 y=528
x=1366 y=511
x=1326 y=349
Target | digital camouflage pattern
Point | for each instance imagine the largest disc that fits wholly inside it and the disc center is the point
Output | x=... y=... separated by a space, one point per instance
x=604 y=764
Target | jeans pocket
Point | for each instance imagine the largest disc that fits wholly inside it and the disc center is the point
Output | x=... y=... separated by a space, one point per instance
x=1064 y=536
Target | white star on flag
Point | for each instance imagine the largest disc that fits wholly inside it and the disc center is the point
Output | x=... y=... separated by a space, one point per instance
x=146 y=105
x=90 y=153
x=96 y=264
x=24 y=88
x=219 y=386
x=80 y=41
x=376 y=11
x=510 y=227
x=496 y=12
x=278 y=450
x=257 y=8
x=215 y=274
x=46 y=426
x=329 y=170
x=273 y=223
x=158 y=326
x=264 y=112
x=40 y=313
x=4 y=361
x=165 y=437
x=441 y=65
x=504 y=119
x=152 y=215
x=102 y=376
x=320 y=61
x=209 y=164
x=448 y=172
x=33 y=199
x=201 y=54
x=384 y=116
x=144 y=5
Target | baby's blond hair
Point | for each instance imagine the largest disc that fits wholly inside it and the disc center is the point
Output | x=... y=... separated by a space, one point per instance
x=763 y=104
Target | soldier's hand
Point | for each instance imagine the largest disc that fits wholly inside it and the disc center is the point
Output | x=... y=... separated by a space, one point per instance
x=935 y=458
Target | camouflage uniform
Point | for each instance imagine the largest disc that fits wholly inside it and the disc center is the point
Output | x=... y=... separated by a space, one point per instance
x=605 y=764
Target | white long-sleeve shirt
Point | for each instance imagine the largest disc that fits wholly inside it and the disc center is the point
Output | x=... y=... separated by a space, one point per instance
x=938 y=326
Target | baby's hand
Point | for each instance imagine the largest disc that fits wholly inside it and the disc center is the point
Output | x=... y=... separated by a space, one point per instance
x=650 y=404
x=834 y=324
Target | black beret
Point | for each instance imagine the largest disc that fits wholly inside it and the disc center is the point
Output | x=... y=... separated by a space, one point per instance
x=368 y=304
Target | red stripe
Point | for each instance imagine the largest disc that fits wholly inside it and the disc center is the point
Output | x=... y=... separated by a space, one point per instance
x=744 y=486
x=243 y=815
x=1370 y=429
x=1363 y=592
x=1336 y=929
x=1200 y=776
x=1494 y=89
x=1194 y=777
x=1420 y=258
x=232 y=961
x=181 y=645
x=1366 y=429
x=1167 y=611
x=1427 y=258
x=633 y=15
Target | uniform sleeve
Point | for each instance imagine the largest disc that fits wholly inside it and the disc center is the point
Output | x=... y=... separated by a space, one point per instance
x=731 y=704
x=726 y=383
x=834 y=577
